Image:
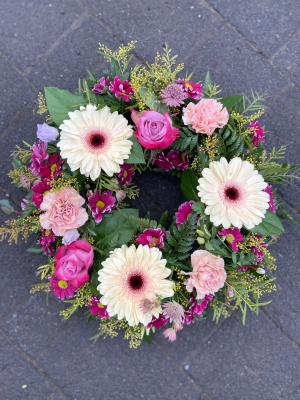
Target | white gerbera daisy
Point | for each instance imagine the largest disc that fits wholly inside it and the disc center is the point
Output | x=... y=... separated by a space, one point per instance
x=129 y=276
x=93 y=140
x=233 y=193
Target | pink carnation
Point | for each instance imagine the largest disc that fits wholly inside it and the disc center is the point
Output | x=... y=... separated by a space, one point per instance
x=208 y=275
x=63 y=211
x=154 y=130
x=206 y=116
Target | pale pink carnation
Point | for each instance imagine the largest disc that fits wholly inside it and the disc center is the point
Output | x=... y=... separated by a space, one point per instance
x=63 y=211
x=208 y=275
x=206 y=116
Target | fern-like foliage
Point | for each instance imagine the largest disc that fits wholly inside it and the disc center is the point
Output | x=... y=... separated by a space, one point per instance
x=180 y=239
x=230 y=143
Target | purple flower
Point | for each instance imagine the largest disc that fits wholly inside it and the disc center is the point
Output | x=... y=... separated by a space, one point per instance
x=191 y=89
x=184 y=210
x=46 y=133
x=232 y=235
x=101 y=204
x=62 y=289
x=196 y=308
x=121 y=89
x=125 y=175
x=163 y=162
x=46 y=241
x=99 y=87
x=39 y=154
x=272 y=206
x=70 y=236
x=178 y=159
x=257 y=133
x=97 y=308
x=173 y=95
x=152 y=238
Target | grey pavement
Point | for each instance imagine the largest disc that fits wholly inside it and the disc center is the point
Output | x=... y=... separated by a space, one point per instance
x=244 y=44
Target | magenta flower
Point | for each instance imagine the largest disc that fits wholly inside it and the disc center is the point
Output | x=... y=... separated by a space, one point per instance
x=173 y=95
x=62 y=289
x=46 y=241
x=121 y=89
x=178 y=159
x=152 y=238
x=257 y=133
x=191 y=89
x=101 y=204
x=196 y=308
x=232 y=236
x=51 y=169
x=126 y=173
x=40 y=188
x=163 y=162
x=157 y=322
x=272 y=206
x=97 y=308
x=39 y=154
x=99 y=87
x=184 y=210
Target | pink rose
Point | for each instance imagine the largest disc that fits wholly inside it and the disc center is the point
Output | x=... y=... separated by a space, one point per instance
x=154 y=130
x=73 y=262
x=208 y=275
x=205 y=116
x=63 y=211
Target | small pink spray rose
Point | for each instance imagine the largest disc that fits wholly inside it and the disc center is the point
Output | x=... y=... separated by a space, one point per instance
x=208 y=275
x=73 y=262
x=63 y=211
x=154 y=130
x=206 y=116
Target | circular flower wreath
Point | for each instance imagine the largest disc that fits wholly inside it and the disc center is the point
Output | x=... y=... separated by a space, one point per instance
x=131 y=272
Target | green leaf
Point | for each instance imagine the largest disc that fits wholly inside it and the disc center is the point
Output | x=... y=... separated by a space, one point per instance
x=6 y=206
x=188 y=185
x=61 y=102
x=136 y=156
x=113 y=225
x=230 y=101
x=270 y=225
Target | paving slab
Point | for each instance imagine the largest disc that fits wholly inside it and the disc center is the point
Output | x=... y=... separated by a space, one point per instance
x=29 y=29
x=251 y=368
x=259 y=21
x=18 y=378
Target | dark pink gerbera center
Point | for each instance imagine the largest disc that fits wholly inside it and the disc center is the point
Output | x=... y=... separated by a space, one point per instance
x=96 y=140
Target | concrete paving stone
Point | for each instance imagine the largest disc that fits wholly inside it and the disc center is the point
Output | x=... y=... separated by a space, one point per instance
x=110 y=370
x=68 y=62
x=237 y=68
x=157 y=23
x=35 y=323
x=17 y=95
x=267 y=24
x=156 y=198
x=42 y=23
x=15 y=372
x=255 y=361
x=280 y=122
x=188 y=341
x=287 y=60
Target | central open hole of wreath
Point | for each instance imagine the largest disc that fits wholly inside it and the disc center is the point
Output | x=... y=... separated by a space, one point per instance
x=136 y=282
x=232 y=193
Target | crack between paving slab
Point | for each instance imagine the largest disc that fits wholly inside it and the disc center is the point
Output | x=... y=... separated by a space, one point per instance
x=35 y=365
x=170 y=358
x=76 y=24
x=236 y=30
x=12 y=65
x=280 y=329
